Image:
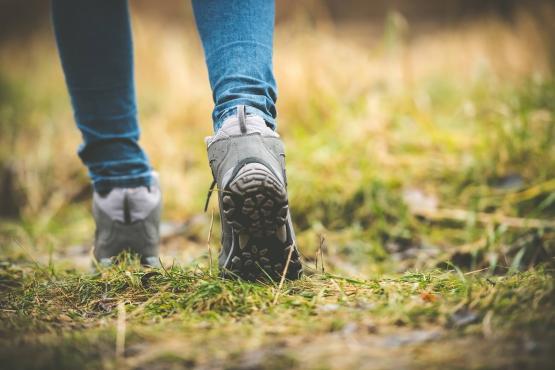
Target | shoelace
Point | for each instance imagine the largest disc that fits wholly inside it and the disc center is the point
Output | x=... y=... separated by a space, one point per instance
x=209 y=194
x=241 y=115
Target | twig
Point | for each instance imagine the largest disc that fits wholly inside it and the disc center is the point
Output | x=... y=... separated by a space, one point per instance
x=339 y=289
x=281 y=281
x=120 y=332
x=316 y=260
x=486 y=324
x=321 y=251
x=485 y=218
x=347 y=279
x=142 y=306
x=476 y=271
x=29 y=254
x=208 y=243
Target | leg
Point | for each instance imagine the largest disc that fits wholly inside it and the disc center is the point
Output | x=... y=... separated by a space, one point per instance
x=237 y=40
x=94 y=41
x=246 y=154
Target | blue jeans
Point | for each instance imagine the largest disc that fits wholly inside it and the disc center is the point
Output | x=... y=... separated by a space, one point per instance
x=95 y=45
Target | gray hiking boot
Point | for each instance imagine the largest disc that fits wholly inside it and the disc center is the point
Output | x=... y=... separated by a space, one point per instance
x=128 y=219
x=247 y=159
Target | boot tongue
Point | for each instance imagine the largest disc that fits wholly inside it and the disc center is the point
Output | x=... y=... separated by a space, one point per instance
x=253 y=124
x=231 y=127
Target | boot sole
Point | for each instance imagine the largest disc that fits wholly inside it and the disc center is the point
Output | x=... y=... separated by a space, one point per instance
x=255 y=206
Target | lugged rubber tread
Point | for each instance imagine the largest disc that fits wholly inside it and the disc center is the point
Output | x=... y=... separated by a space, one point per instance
x=255 y=206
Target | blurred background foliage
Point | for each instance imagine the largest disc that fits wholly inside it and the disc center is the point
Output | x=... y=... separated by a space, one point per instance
x=418 y=133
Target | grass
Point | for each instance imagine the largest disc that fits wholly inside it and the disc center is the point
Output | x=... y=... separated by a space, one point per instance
x=74 y=313
x=421 y=175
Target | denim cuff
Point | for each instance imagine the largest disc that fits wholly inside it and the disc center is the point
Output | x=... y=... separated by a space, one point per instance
x=250 y=111
x=106 y=184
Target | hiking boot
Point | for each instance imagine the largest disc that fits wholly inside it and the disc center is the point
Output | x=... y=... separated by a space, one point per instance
x=247 y=159
x=128 y=219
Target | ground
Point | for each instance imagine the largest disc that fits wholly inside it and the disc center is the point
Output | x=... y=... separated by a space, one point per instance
x=422 y=184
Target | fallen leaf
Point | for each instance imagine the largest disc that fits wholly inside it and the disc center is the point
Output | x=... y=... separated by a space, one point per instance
x=428 y=297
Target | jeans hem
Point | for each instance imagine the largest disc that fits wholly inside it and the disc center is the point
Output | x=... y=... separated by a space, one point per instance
x=105 y=185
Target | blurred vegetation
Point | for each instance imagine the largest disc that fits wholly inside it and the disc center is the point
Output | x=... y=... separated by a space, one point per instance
x=421 y=162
